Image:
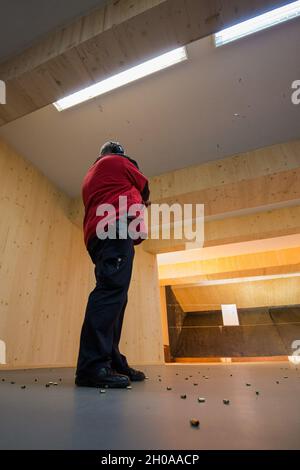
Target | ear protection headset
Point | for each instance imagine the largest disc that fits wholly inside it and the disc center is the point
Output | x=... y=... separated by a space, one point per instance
x=112 y=148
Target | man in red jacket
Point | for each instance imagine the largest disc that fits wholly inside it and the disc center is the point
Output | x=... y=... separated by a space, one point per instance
x=100 y=363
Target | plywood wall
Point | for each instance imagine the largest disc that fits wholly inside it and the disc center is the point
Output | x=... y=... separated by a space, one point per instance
x=44 y=272
x=46 y=276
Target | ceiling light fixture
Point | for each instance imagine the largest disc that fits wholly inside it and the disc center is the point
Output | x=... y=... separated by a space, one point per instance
x=264 y=21
x=134 y=73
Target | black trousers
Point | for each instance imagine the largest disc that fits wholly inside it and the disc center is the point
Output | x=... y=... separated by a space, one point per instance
x=102 y=326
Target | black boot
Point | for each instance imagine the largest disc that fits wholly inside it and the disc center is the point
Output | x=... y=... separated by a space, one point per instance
x=105 y=377
x=133 y=374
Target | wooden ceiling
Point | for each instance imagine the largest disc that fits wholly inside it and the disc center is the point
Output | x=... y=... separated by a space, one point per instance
x=109 y=40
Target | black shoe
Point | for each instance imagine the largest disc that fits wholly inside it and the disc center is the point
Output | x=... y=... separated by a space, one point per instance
x=133 y=374
x=106 y=378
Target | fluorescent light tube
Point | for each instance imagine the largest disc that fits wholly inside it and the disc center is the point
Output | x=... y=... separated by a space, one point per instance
x=271 y=18
x=139 y=71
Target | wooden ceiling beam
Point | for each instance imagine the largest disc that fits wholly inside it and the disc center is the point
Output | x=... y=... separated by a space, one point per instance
x=109 y=40
x=247 y=197
x=183 y=272
x=251 y=294
x=257 y=226
x=190 y=281
x=233 y=169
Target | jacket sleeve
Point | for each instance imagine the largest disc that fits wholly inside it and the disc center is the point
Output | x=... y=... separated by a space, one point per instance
x=137 y=179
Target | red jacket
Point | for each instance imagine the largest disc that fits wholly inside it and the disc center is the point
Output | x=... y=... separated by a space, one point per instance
x=110 y=177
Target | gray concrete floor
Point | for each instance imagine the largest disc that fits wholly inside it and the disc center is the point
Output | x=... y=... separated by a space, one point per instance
x=151 y=417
